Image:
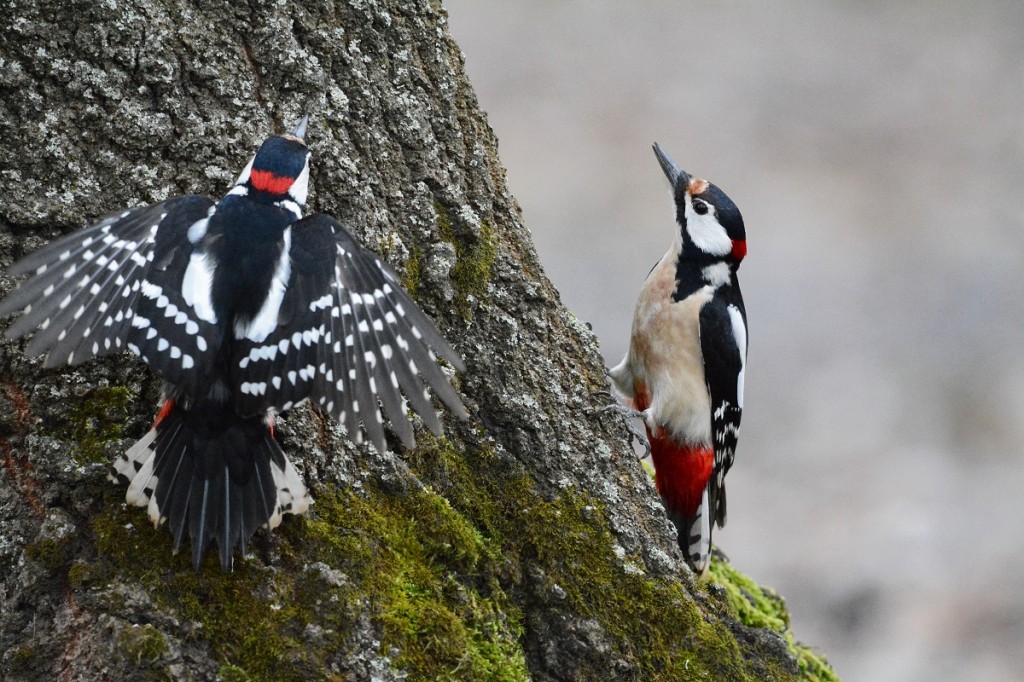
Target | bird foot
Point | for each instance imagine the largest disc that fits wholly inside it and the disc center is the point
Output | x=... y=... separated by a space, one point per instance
x=629 y=416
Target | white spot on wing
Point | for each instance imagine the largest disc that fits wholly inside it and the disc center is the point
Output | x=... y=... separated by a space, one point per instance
x=322 y=302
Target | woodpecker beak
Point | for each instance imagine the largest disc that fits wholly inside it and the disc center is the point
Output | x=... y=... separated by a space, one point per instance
x=673 y=172
x=300 y=130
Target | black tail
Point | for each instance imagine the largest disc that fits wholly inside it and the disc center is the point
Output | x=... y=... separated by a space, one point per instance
x=213 y=474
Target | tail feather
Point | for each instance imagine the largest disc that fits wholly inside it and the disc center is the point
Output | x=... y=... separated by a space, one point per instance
x=178 y=515
x=261 y=505
x=695 y=535
x=720 y=507
x=199 y=514
x=291 y=491
x=174 y=479
x=142 y=485
x=216 y=476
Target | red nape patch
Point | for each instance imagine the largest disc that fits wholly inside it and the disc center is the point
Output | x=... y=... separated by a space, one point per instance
x=681 y=472
x=164 y=411
x=739 y=248
x=266 y=181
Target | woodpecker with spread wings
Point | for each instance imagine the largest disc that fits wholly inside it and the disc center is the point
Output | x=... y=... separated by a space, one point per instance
x=684 y=370
x=244 y=308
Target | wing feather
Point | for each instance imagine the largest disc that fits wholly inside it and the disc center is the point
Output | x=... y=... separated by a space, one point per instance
x=87 y=290
x=724 y=347
x=350 y=339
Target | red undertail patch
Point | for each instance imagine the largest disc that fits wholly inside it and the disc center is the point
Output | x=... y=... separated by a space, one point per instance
x=164 y=411
x=681 y=472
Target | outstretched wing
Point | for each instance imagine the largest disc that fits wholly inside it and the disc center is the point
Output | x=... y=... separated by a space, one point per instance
x=723 y=342
x=97 y=291
x=347 y=336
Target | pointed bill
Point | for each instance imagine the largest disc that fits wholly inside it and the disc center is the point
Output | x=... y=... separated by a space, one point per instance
x=300 y=129
x=673 y=172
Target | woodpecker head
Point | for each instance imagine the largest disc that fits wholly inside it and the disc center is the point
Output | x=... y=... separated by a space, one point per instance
x=279 y=172
x=710 y=224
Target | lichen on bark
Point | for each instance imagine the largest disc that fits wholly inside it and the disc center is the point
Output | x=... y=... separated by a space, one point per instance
x=526 y=544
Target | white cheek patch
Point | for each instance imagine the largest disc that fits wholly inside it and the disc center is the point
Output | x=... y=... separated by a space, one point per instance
x=243 y=177
x=300 y=188
x=706 y=233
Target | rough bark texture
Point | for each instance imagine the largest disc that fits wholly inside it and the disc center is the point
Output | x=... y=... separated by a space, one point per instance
x=528 y=543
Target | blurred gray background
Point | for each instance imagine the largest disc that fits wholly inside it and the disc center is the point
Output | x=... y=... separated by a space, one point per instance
x=876 y=151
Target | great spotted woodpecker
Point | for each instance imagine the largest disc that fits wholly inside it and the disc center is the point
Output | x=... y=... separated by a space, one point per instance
x=685 y=365
x=245 y=309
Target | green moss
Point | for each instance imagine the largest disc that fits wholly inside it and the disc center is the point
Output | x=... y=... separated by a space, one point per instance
x=651 y=624
x=79 y=574
x=95 y=420
x=232 y=673
x=413 y=271
x=427 y=577
x=474 y=261
x=22 y=658
x=756 y=606
x=814 y=667
x=143 y=645
x=422 y=572
x=457 y=577
x=250 y=617
x=51 y=553
x=761 y=607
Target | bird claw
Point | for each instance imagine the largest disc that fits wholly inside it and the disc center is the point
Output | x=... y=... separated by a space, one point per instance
x=628 y=415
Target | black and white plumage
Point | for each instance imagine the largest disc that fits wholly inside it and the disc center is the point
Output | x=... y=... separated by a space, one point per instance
x=244 y=308
x=685 y=367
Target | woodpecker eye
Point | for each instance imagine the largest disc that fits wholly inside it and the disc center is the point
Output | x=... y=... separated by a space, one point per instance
x=700 y=207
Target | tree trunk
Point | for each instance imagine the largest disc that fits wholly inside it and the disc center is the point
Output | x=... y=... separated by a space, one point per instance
x=527 y=543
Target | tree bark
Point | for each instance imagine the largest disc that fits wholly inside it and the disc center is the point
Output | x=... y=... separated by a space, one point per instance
x=527 y=543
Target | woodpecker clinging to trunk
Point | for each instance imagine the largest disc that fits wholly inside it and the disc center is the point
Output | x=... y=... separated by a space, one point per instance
x=245 y=309
x=687 y=354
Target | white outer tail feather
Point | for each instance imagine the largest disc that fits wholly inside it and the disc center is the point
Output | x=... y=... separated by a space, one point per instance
x=701 y=529
x=292 y=496
x=139 y=478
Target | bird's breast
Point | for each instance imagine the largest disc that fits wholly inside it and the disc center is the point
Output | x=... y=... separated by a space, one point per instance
x=665 y=355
